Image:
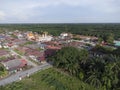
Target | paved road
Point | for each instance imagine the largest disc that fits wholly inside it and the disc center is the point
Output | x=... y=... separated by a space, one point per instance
x=22 y=74
x=24 y=57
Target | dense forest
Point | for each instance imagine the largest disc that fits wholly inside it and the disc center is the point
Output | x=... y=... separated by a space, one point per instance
x=99 y=30
x=101 y=72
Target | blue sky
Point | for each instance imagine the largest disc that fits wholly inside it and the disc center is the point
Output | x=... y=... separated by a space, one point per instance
x=59 y=11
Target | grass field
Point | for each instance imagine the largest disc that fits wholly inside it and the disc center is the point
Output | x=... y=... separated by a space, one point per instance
x=49 y=79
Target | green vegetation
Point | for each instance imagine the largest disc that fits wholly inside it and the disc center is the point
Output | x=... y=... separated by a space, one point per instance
x=104 y=49
x=17 y=51
x=116 y=52
x=3 y=58
x=50 y=79
x=6 y=49
x=6 y=58
x=109 y=38
x=39 y=49
x=100 y=72
x=14 y=36
x=99 y=30
x=3 y=71
x=76 y=38
x=68 y=59
x=29 y=42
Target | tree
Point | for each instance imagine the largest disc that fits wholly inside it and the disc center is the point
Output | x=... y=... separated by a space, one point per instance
x=110 y=75
x=69 y=59
x=110 y=38
x=94 y=81
x=100 y=40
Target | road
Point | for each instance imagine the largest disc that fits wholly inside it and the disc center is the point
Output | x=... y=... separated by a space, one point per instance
x=22 y=74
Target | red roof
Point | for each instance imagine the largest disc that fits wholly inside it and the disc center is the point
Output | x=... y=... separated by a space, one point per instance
x=10 y=44
x=53 y=47
x=41 y=58
x=23 y=63
x=3 y=52
x=51 y=43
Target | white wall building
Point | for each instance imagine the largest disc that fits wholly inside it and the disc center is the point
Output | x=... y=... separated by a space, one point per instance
x=45 y=38
x=63 y=35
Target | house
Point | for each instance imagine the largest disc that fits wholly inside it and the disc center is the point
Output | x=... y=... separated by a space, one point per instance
x=20 y=36
x=18 y=41
x=41 y=59
x=33 y=46
x=41 y=45
x=51 y=50
x=45 y=37
x=76 y=44
x=10 y=44
x=51 y=43
x=4 y=53
x=15 y=64
x=0 y=46
x=22 y=49
x=31 y=53
x=30 y=36
x=65 y=35
x=5 y=45
x=85 y=37
x=2 y=37
x=35 y=53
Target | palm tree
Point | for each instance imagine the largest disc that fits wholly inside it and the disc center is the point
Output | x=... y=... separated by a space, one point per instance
x=110 y=76
x=94 y=81
x=95 y=69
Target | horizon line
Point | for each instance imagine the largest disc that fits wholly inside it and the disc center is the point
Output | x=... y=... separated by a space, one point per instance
x=68 y=23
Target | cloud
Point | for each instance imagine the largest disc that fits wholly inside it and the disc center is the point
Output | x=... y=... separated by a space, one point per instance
x=105 y=6
x=2 y=15
x=33 y=10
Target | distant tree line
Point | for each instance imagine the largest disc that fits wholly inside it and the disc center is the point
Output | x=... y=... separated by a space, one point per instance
x=99 y=30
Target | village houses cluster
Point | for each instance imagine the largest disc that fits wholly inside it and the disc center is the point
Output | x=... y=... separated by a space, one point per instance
x=36 y=47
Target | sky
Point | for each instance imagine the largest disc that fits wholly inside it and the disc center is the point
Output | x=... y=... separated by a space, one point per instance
x=59 y=11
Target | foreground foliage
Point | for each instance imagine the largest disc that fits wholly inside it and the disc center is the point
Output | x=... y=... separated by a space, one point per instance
x=98 y=71
x=50 y=79
x=3 y=71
